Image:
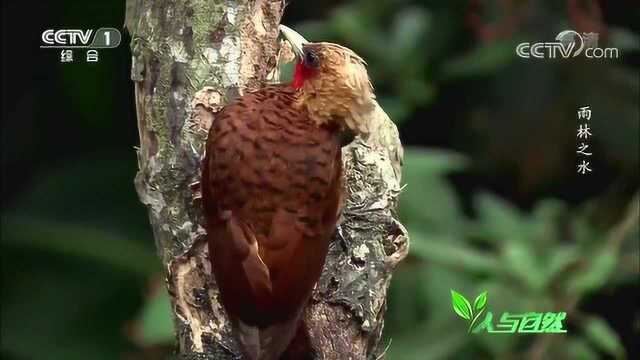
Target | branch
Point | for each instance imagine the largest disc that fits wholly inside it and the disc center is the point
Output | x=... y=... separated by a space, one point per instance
x=189 y=58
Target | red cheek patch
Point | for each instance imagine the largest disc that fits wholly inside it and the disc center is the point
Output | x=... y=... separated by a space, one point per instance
x=301 y=74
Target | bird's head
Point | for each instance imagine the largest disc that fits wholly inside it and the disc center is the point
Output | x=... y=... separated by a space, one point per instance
x=333 y=81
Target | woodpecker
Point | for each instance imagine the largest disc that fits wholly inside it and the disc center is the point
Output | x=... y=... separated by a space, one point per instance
x=272 y=190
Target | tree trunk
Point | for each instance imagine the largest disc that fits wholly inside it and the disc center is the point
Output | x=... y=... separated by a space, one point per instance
x=190 y=57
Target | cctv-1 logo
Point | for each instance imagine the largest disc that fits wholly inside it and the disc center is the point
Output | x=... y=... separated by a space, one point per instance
x=70 y=38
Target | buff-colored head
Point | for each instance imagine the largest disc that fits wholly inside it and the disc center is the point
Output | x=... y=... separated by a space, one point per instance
x=333 y=81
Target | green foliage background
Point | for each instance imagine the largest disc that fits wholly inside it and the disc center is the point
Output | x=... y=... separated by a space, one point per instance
x=492 y=200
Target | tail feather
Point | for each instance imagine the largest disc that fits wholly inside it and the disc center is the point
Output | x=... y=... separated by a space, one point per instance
x=267 y=343
x=249 y=339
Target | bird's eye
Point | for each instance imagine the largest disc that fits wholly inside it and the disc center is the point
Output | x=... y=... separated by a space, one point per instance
x=311 y=59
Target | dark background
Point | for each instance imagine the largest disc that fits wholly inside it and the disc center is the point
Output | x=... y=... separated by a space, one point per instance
x=493 y=200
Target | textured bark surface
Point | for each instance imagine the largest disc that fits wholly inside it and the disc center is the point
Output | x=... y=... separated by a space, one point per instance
x=190 y=57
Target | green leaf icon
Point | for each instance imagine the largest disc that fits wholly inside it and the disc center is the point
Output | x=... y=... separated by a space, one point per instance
x=478 y=307
x=461 y=305
x=480 y=302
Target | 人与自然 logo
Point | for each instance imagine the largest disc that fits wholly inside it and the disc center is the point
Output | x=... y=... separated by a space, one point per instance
x=530 y=322
x=568 y=44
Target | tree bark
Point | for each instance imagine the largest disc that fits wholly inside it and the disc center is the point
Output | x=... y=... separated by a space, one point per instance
x=189 y=58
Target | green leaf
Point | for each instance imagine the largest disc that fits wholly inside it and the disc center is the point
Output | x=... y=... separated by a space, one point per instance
x=601 y=265
x=62 y=308
x=429 y=200
x=503 y=221
x=408 y=28
x=446 y=251
x=346 y=23
x=601 y=335
x=577 y=348
x=624 y=39
x=445 y=347
x=461 y=305
x=156 y=324
x=545 y=223
x=417 y=91
x=427 y=342
x=81 y=242
x=407 y=298
x=395 y=107
x=480 y=302
x=557 y=263
x=482 y=60
x=434 y=161
x=522 y=263
x=79 y=184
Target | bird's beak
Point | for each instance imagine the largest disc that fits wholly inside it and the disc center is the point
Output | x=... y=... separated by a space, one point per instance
x=296 y=40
